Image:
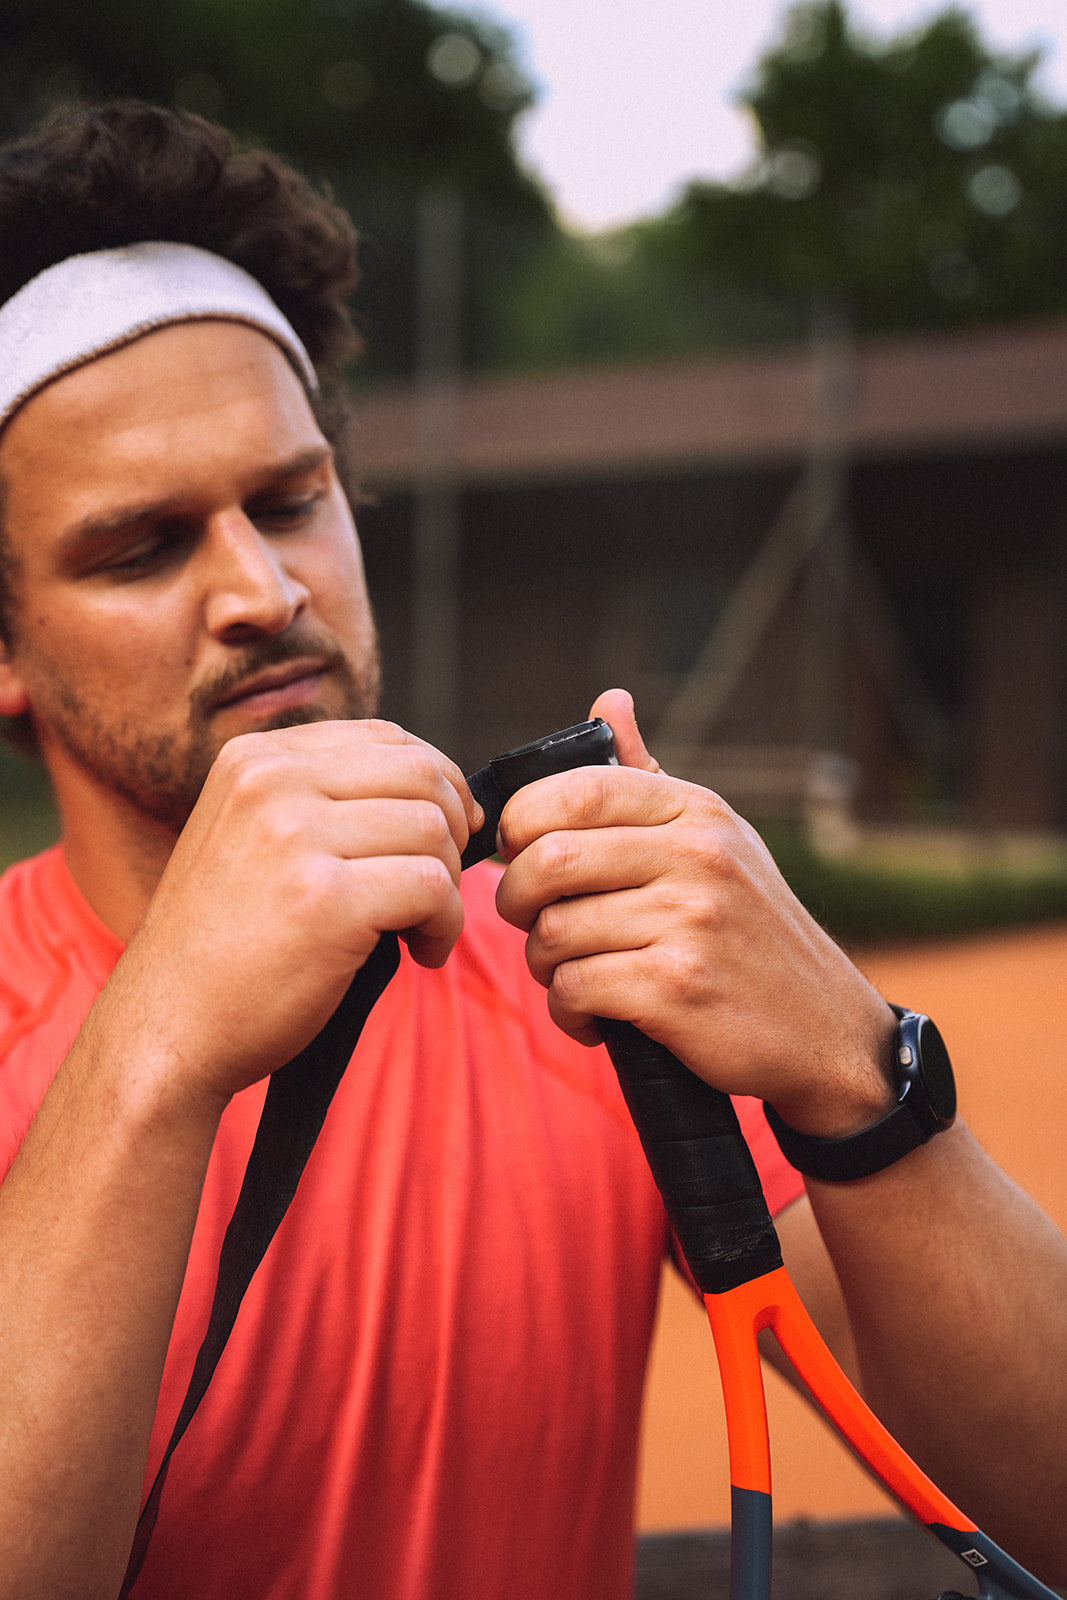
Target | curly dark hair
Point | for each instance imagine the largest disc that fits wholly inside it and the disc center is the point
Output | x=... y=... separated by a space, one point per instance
x=127 y=171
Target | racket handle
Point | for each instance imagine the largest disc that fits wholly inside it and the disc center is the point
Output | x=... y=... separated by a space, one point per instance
x=700 y=1161
x=689 y=1131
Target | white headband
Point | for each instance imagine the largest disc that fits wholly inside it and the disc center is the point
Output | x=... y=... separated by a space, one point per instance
x=90 y=304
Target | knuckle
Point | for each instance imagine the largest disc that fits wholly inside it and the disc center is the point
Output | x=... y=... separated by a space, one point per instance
x=515 y=829
x=558 y=857
x=432 y=826
x=673 y=973
x=693 y=904
x=718 y=858
x=252 y=769
x=432 y=877
x=586 y=795
x=567 y=986
x=423 y=767
x=383 y=731
x=282 y=830
x=310 y=892
x=316 y=880
x=433 y=881
x=551 y=931
x=702 y=858
x=541 y=970
x=236 y=753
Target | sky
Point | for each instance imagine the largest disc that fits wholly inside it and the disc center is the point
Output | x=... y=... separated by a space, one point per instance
x=636 y=96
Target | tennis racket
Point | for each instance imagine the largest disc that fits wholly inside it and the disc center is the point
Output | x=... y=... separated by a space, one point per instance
x=714 y=1199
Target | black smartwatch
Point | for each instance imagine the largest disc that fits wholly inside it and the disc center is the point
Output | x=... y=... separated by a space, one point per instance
x=926 y=1104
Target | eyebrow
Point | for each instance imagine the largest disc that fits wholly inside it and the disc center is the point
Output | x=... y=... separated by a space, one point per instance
x=99 y=526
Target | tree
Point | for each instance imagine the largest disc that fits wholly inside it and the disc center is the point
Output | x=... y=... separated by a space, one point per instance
x=920 y=181
x=379 y=98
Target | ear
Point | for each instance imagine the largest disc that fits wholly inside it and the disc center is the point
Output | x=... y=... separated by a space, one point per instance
x=14 y=699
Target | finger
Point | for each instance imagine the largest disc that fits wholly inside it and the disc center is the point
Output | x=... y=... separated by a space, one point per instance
x=345 y=761
x=431 y=949
x=573 y=862
x=583 y=1030
x=411 y=895
x=601 y=985
x=589 y=797
x=384 y=753
x=649 y=986
x=473 y=812
x=616 y=706
x=570 y=930
x=372 y=731
x=356 y=830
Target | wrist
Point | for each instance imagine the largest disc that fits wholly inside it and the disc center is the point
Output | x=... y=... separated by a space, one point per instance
x=924 y=1105
x=144 y=1075
x=847 y=1090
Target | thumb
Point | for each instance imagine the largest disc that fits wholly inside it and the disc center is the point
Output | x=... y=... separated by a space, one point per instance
x=616 y=706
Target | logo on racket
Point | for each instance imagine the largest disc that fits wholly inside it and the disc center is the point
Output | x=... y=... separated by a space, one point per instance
x=974 y=1557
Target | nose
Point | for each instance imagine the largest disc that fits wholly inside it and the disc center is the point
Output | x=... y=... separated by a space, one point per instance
x=250 y=588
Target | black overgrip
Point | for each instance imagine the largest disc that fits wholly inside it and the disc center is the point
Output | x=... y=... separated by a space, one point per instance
x=700 y=1161
x=689 y=1131
x=587 y=744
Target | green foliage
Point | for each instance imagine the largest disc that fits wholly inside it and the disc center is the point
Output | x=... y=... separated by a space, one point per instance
x=920 y=181
x=862 y=900
x=27 y=814
x=590 y=301
x=379 y=98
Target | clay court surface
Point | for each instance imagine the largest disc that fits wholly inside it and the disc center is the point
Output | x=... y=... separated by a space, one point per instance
x=1001 y=1002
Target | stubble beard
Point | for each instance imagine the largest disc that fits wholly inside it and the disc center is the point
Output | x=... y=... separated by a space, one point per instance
x=162 y=776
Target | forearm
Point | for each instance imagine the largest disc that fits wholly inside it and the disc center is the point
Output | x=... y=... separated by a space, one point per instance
x=956 y=1284
x=96 y=1216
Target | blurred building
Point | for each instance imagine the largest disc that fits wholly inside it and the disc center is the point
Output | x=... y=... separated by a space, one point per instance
x=834 y=578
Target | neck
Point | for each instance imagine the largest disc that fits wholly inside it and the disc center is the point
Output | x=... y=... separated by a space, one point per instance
x=114 y=852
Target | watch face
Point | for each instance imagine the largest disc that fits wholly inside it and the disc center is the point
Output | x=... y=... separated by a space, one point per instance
x=936 y=1069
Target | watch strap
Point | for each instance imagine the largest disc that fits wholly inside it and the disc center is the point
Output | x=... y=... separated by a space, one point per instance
x=909 y=1123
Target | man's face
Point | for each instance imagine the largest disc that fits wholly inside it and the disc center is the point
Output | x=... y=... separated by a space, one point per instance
x=186 y=565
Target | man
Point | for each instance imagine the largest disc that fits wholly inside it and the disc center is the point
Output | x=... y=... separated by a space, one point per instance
x=433 y=1384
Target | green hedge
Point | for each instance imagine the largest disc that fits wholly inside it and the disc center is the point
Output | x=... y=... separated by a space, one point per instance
x=862 y=901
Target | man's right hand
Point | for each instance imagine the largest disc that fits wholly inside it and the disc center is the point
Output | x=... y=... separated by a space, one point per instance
x=306 y=844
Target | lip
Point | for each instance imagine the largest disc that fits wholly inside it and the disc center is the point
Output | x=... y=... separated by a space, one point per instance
x=276 y=688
